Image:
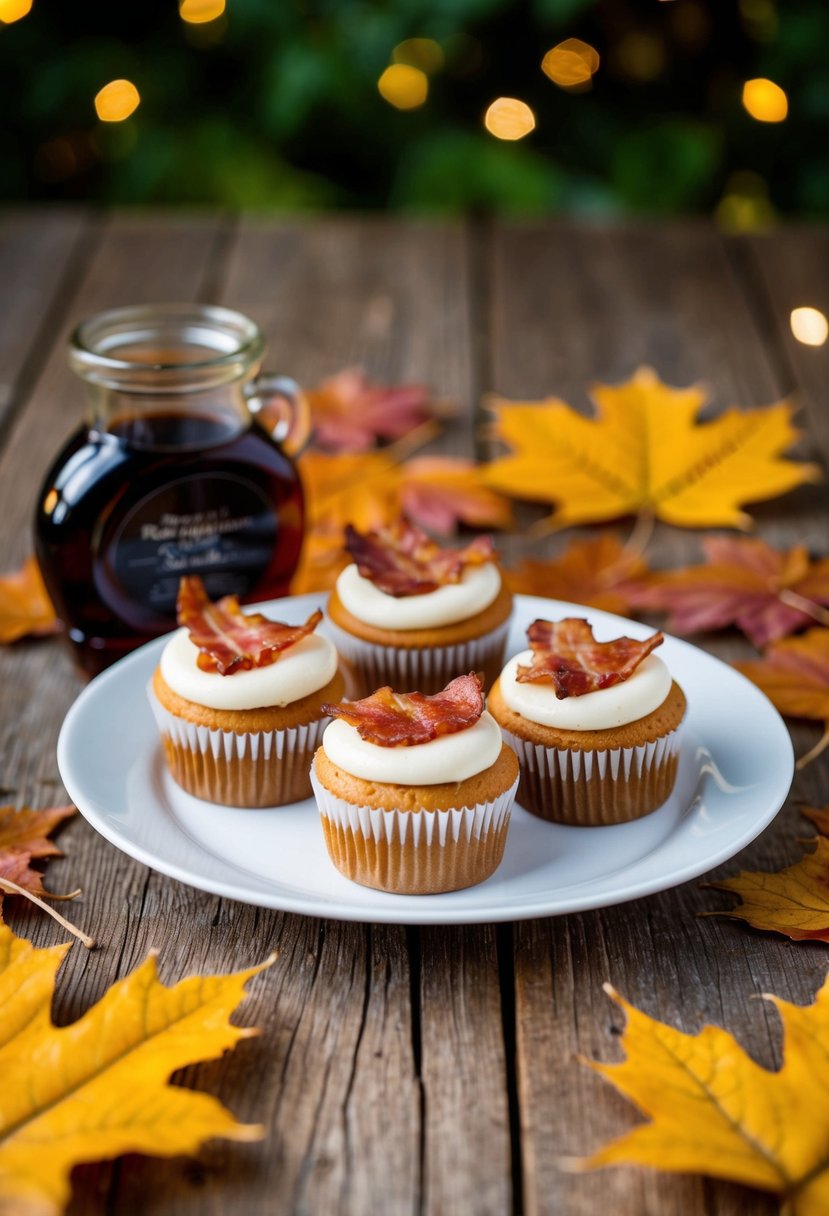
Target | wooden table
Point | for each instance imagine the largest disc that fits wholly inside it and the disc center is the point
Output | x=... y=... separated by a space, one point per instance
x=407 y=1070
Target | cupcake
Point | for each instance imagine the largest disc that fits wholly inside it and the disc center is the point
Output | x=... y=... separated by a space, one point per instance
x=595 y=724
x=415 y=791
x=239 y=699
x=410 y=614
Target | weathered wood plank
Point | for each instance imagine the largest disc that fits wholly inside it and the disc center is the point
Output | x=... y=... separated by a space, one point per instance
x=791 y=270
x=608 y=301
x=39 y=251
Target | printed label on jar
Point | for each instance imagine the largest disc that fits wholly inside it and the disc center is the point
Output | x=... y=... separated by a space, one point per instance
x=221 y=527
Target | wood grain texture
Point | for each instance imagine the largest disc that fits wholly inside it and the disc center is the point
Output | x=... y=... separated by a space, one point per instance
x=403 y=1071
x=610 y=301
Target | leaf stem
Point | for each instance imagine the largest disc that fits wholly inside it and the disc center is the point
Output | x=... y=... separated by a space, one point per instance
x=816 y=611
x=815 y=751
x=11 y=888
x=640 y=536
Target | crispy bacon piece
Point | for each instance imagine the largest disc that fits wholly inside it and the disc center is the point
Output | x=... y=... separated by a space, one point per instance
x=230 y=640
x=401 y=560
x=566 y=655
x=395 y=719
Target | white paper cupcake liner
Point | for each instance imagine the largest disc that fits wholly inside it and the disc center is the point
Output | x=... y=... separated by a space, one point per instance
x=427 y=670
x=595 y=787
x=254 y=768
x=415 y=852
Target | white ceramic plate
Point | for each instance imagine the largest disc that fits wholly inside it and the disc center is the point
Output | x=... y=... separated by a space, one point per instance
x=735 y=771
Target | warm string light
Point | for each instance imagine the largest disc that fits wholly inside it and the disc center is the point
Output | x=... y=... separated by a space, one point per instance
x=422 y=53
x=199 y=12
x=745 y=206
x=404 y=86
x=13 y=10
x=571 y=64
x=116 y=101
x=509 y=118
x=809 y=326
x=765 y=100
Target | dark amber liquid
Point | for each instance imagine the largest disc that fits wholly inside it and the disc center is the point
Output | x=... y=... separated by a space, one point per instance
x=124 y=513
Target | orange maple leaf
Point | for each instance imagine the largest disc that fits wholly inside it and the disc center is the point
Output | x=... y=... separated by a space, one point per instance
x=793 y=901
x=25 y=607
x=645 y=454
x=794 y=675
x=745 y=582
x=598 y=572
x=712 y=1110
x=23 y=839
x=100 y=1086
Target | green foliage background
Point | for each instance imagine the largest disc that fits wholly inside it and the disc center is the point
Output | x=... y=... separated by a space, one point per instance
x=275 y=104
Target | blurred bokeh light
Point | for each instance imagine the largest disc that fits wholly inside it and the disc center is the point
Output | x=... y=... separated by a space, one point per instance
x=509 y=118
x=809 y=326
x=765 y=100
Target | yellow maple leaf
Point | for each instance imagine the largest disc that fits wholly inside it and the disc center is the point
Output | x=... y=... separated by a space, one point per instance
x=713 y=1111
x=98 y=1087
x=645 y=453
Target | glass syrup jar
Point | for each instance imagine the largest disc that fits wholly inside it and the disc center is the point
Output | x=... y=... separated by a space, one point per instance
x=184 y=466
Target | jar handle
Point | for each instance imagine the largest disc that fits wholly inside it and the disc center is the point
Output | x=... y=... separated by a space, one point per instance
x=282 y=409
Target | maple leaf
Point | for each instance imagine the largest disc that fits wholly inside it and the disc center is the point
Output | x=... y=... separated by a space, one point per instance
x=24 y=838
x=794 y=675
x=793 y=901
x=25 y=607
x=349 y=413
x=745 y=582
x=598 y=572
x=98 y=1088
x=438 y=492
x=713 y=1111
x=645 y=454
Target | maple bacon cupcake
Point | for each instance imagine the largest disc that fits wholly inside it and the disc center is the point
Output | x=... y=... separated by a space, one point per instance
x=238 y=700
x=415 y=792
x=412 y=615
x=596 y=725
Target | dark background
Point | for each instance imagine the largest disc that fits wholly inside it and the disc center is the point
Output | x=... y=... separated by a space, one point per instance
x=275 y=104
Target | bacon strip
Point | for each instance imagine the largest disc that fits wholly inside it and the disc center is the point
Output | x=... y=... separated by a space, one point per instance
x=393 y=719
x=230 y=640
x=401 y=560
x=566 y=655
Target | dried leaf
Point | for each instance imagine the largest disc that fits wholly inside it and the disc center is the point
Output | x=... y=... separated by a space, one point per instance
x=794 y=901
x=744 y=582
x=349 y=413
x=819 y=816
x=23 y=838
x=392 y=719
x=98 y=1088
x=25 y=607
x=440 y=492
x=794 y=675
x=644 y=453
x=713 y=1111
x=598 y=572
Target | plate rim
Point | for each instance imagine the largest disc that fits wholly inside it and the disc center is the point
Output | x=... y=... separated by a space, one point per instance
x=262 y=893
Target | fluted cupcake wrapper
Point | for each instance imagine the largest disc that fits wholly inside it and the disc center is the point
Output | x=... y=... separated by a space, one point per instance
x=415 y=852
x=251 y=769
x=595 y=788
x=427 y=670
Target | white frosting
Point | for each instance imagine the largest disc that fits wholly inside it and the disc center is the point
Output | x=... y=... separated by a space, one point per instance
x=634 y=698
x=299 y=671
x=477 y=589
x=447 y=758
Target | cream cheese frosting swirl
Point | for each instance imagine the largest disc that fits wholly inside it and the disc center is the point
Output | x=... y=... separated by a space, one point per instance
x=478 y=588
x=448 y=758
x=604 y=709
x=300 y=670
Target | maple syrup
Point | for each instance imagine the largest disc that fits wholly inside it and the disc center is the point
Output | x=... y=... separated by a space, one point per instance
x=166 y=481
